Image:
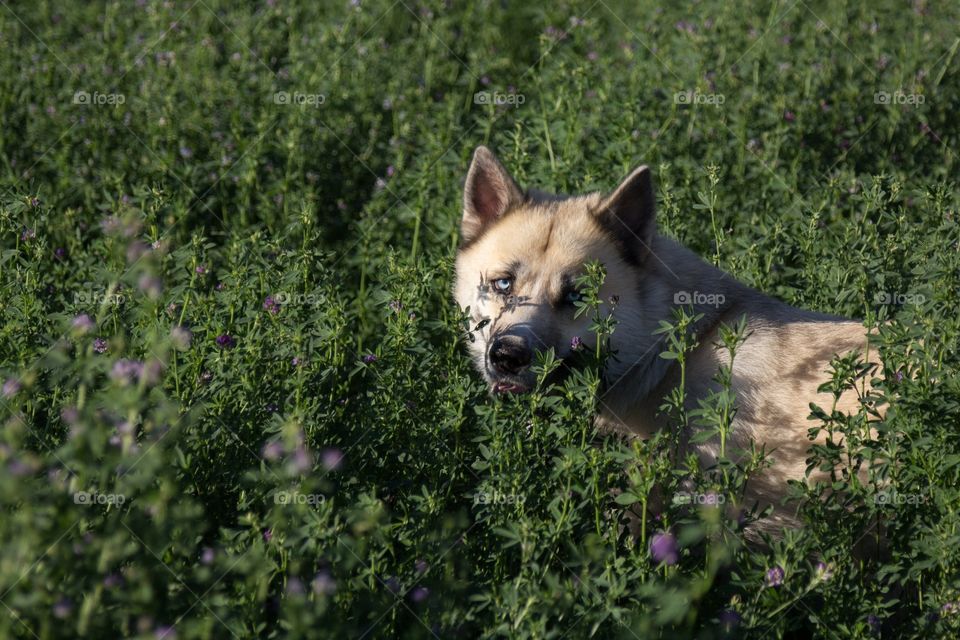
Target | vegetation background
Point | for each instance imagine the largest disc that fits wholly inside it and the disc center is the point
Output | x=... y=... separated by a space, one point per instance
x=235 y=400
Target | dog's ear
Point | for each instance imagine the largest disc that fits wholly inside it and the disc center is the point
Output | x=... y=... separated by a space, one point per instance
x=629 y=211
x=489 y=192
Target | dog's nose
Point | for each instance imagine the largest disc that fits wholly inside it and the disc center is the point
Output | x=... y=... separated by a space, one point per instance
x=510 y=355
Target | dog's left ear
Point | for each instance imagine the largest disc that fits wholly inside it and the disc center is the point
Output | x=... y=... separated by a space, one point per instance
x=490 y=191
x=629 y=211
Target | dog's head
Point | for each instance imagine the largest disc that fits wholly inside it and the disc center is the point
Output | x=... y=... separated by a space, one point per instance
x=520 y=254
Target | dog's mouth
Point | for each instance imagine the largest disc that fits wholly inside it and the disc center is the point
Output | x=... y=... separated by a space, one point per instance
x=502 y=386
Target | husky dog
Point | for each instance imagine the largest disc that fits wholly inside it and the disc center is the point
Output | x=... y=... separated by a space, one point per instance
x=519 y=256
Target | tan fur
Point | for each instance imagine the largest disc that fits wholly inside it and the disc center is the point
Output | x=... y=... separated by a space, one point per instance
x=776 y=371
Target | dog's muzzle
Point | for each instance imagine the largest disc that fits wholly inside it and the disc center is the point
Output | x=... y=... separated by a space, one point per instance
x=510 y=355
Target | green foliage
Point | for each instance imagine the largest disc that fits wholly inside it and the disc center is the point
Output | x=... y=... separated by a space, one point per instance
x=236 y=400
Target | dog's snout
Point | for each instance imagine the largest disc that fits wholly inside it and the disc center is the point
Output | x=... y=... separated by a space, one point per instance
x=510 y=355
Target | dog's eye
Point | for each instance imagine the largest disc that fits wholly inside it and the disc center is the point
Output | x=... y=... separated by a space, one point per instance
x=572 y=296
x=502 y=285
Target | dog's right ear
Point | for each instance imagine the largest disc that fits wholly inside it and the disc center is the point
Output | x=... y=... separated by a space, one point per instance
x=489 y=192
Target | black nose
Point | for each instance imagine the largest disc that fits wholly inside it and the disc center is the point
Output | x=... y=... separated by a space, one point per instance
x=510 y=355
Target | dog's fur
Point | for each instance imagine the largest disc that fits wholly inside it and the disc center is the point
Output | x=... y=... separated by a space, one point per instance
x=540 y=242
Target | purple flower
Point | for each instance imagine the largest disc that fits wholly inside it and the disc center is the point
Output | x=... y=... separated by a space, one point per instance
x=421 y=566
x=206 y=377
x=729 y=619
x=165 y=632
x=100 y=345
x=390 y=171
x=126 y=371
x=113 y=580
x=82 y=323
x=823 y=571
x=271 y=305
x=664 y=549
x=331 y=459
x=395 y=306
x=201 y=269
x=789 y=116
x=323 y=583
x=272 y=450
x=369 y=358
x=34 y=202
x=393 y=584
x=11 y=387
x=220 y=286
x=60 y=253
x=296 y=361
x=181 y=337
x=186 y=152
x=150 y=285
x=576 y=343
x=267 y=535
x=226 y=341
x=28 y=234
x=873 y=622
x=775 y=576
x=419 y=594
x=62 y=608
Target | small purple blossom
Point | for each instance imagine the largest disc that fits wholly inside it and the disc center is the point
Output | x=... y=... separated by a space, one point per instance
x=181 y=337
x=873 y=621
x=125 y=371
x=113 y=580
x=421 y=566
x=11 y=387
x=60 y=253
x=271 y=305
x=100 y=345
x=331 y=459
x=729 y=619
x=267 y=535
x=165 y=632
x=186 y=152
x=369 y=358
x=323 y=583
x=28 y=234
x=272 y=450
x=82 y=323
x=296 y=361
x=419 y=594
x=201 y=269
x=775 y=576
x=823 y=571
x=664 y=549
x=576 y=343
x=220 y=286
x=226 y=341
x=789 y=116
x=62 y=608
x=207 y=556
x=396 y=306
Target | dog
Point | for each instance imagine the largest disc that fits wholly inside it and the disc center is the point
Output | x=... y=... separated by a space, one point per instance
x=519 y=256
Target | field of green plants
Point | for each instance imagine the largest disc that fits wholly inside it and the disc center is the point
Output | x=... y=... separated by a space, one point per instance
x=236 y=401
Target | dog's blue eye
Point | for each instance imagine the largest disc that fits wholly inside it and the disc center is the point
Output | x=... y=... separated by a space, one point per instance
x=502 y=285
x=572 y=296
